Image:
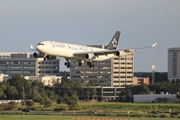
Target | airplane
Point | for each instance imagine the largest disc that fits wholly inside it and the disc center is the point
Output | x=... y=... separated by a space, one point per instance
x=49 y=50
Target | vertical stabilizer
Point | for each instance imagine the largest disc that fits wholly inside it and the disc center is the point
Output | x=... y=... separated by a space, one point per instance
x=114 y=41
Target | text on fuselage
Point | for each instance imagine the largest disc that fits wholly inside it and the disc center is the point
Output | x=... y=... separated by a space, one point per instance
x=70 y=46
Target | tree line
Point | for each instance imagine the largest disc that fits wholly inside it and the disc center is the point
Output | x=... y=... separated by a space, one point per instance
x=69 y=92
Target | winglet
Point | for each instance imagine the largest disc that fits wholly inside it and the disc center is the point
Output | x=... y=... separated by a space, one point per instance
x=153 y=45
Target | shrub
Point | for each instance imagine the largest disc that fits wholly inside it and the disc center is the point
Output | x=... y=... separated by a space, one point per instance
x=59 y=109
x=48 y=103
x=30 y=103
x=13 y=104
x=8 y=107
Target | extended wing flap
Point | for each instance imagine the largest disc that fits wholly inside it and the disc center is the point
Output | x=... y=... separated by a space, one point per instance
x=97 y=53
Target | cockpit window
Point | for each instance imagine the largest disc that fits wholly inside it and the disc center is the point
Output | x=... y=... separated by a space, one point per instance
x=40 y=44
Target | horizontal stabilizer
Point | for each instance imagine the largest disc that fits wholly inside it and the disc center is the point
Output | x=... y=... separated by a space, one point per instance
x=32 y=48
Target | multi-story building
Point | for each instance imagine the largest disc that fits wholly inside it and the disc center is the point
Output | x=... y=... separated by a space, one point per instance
x=103 y=94
x=174 y=63
x=113 y=72
x=140 y=80
x=12 y=63
x=47 y=80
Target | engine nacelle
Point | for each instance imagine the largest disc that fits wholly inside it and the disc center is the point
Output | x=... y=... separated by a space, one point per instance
x=90 y=56
x=50 y=57
x=37 y=55
x=118 y=53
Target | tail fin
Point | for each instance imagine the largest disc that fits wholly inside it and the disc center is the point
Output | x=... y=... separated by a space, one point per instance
x=114 y=41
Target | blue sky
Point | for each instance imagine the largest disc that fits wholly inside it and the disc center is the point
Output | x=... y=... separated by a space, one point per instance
x=141 y=22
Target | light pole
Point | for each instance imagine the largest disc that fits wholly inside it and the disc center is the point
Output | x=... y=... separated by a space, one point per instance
x=23 y=94
x=153 y=68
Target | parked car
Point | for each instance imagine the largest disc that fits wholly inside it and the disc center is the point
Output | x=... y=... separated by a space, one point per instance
x=26 y=110
x=154 y=112
x=174 y=113
x=92 y=112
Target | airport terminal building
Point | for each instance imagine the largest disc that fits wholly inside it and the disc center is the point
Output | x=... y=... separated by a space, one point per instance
x=13 y=63
x=113 y=72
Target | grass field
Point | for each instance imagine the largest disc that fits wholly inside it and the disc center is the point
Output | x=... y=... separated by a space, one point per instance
x=118 y=106
x=140 y=111
x=48 y=117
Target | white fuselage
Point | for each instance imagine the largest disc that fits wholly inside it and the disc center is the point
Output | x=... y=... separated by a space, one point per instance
x=68 y=51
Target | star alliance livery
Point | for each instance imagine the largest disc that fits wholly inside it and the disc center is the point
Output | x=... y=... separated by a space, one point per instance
x=49 y=50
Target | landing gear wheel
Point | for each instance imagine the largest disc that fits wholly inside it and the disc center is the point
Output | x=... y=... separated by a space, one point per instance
x=68 y=64
x=80 y=63
x=90 y=64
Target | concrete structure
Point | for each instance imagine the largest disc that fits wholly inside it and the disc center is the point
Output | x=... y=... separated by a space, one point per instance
x=47 y=80
x=12 y=63
x=1 y=77
x=113 y=72
x=140 y=80
x=104 y=93
x=8 y=101
x=174 y=63
x=149 y=98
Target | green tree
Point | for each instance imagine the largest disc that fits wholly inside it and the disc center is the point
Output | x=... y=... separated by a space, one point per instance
x=38 y=92
x=67 y=88
x=20 y=83
x=2 y=95
x=165 y=87
x=2 y=90
x=140 y=89
x=72 y=101
x=11 y=92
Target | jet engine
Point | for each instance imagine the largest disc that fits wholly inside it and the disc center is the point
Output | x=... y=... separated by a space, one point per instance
x=37 y=55
x=50 y=57
x=117 y=53
x=120 y=53
x=90 y=56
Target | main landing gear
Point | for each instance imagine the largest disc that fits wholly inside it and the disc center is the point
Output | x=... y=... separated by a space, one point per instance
x=68 y=64
x=90 y=64
x=80 y=63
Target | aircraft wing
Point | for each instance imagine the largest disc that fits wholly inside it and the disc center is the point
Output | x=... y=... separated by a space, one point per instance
x=106 y=51
x=96 y=53
x=136 y=49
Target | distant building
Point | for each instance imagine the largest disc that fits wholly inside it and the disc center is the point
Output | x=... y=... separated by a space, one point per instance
x=114 y=72
x=13 y=63
x=104 y=94
x=140 y=80
x=174 y=63
x=47 y=80
x=149 y=98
